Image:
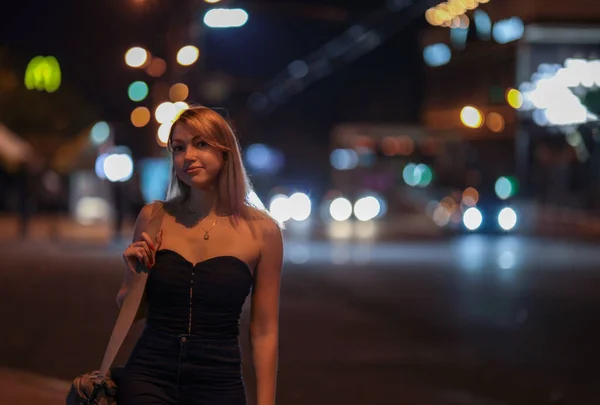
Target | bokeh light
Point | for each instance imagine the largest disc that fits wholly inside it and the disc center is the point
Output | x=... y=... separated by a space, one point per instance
x=188 y=55
x=471 y=117
x=507 y=218
x=43 y=74
x=140 y=117
x=280 y=208
x=225 y=17
x=340 y=209
x=157 y=67
x=300 y=206
x=343 y=159
x=514 y=98
x=470 y=197
x=179 y=92
x=505 y=187
x=162 y=135
x=136 y=57
x=495 y=122
x=165 y=112
x=137 y=91
x=118 y=167
x=100 y=133
x=367 y=208
x=472 y=218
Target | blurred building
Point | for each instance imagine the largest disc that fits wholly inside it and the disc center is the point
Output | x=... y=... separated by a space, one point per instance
x=476 y=58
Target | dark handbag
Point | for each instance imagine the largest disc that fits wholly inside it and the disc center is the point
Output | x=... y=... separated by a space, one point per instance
x=99 y=387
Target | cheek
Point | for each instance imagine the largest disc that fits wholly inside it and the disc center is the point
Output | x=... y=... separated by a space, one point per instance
x=177 y=162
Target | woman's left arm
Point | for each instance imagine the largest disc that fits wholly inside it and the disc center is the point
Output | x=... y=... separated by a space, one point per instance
x=264 y=313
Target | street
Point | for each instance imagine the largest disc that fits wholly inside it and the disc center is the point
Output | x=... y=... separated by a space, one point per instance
x=473 y=320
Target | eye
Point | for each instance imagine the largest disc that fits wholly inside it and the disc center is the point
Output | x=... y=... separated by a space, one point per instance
x=201 y=144
x=177 y=148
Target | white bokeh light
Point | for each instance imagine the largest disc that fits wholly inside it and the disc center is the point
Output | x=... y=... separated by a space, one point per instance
x=163 y=133
x=366 y=208
x=118 y=167
x=188 y=55
x=225 y=18
x=279 y=208
x=136 y=57
x=472 y=218
x=507 y=218
x=300 y=206
x=165 y=112
x=340 y=209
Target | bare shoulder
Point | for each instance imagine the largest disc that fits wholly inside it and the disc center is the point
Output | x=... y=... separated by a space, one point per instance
x=146 y=214
x=270 y=229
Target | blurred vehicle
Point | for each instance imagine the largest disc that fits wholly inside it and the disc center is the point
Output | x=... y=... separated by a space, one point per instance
x=490 y=215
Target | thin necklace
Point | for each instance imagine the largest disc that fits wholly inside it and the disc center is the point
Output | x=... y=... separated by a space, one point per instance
x=206 y=233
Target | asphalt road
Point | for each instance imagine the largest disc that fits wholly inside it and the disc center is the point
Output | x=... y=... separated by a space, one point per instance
x=476 y=320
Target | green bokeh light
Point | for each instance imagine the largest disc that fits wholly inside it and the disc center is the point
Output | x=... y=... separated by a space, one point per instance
x=137 y=91
x=43 y=73
x=419 y=175
x=506 y=187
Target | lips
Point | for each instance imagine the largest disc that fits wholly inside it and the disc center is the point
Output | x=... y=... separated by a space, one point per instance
x=192 y=170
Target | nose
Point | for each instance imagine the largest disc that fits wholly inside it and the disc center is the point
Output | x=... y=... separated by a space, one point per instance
x=189 y=154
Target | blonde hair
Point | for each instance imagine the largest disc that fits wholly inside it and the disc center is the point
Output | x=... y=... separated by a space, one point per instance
x=233 y=185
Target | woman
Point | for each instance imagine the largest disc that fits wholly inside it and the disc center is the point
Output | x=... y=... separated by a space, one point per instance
x=213 y=248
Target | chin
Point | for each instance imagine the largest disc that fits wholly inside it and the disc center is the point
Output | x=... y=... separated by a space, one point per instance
x=201 y=184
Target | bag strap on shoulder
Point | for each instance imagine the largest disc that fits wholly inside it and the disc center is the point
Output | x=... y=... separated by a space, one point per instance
x=132 y=300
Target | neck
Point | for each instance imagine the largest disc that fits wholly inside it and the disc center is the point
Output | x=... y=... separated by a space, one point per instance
x=203 y=202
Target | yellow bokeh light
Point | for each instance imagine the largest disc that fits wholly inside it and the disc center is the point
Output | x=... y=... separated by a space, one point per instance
x=495 y=122
x=464 y=21
x=430 y=16
x=136 y=57
x=212 y=1
x=179 y=92
x=162 y=136
x=483 y=1
x=514 y=98
x=188 y=55
x=140 y=117
x=471 y=117
x=471 y=4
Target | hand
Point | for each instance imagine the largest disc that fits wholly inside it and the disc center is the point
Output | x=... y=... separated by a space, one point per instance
x=142 y=252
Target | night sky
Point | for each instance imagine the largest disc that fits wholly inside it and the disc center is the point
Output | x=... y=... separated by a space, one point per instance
x=90 y=38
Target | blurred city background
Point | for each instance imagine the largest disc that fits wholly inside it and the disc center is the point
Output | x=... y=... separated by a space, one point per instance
x=436 y=163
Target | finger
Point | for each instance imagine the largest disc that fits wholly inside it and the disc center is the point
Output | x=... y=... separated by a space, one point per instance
x=143 y=256
x=142 y=245
x=140 y=256
x=148 y=240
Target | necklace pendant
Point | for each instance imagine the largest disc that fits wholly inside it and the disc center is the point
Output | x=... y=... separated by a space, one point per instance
x=206 y=236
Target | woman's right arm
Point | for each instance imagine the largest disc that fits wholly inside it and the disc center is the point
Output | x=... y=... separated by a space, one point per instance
x=141 y=227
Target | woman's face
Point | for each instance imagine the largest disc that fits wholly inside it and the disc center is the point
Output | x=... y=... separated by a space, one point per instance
x=196 y=163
